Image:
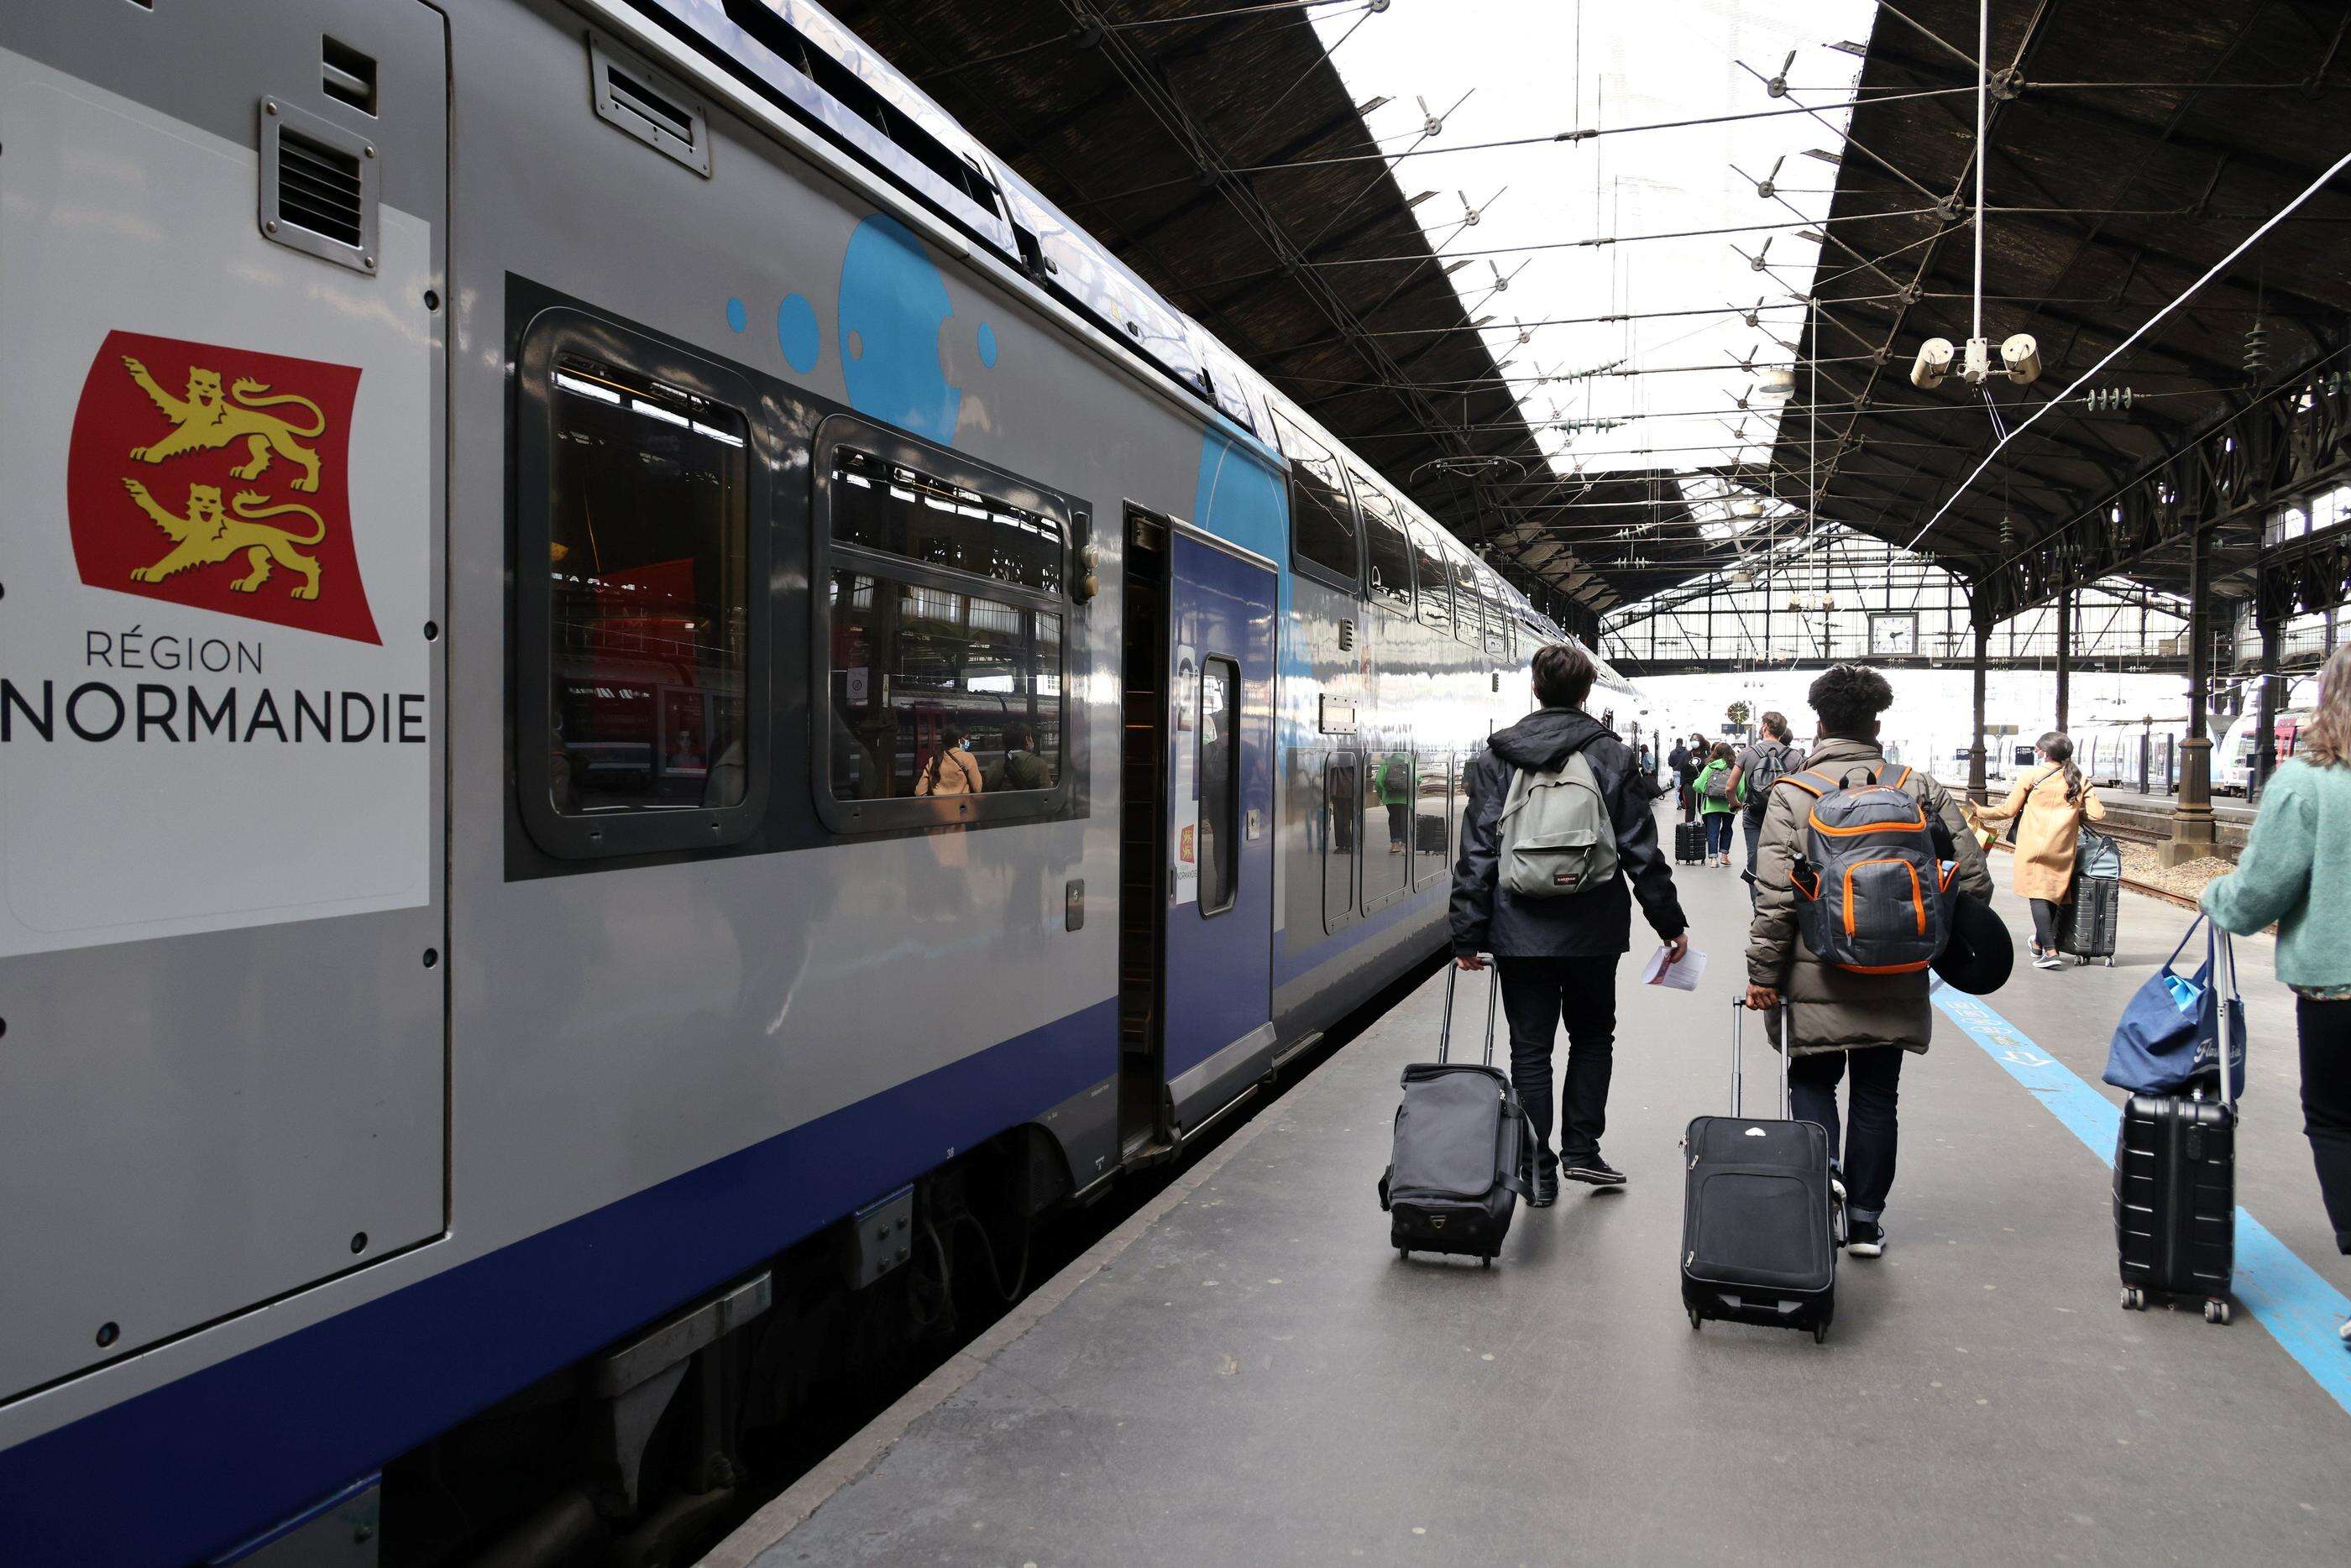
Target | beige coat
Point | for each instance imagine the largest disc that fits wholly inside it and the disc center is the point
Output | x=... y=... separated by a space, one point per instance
x=1834 y=1009
x=950 y=772
x=2045 y=836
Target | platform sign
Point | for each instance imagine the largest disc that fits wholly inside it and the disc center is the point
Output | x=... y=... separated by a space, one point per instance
x=214 y=678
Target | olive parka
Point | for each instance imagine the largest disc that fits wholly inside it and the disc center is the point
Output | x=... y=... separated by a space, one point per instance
x=1833 y=1009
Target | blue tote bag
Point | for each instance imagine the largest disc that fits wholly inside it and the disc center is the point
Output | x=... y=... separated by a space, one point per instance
x=2169 y=1036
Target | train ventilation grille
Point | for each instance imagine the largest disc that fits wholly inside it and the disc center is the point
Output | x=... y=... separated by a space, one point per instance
x=318 y=185
x=633 y=96
x=1346 y=636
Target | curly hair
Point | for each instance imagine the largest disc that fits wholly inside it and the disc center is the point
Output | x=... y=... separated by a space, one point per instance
x=2326 y=739
x=1848 y=698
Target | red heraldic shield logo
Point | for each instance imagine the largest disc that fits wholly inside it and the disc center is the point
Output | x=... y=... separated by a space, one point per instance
x=216 y=478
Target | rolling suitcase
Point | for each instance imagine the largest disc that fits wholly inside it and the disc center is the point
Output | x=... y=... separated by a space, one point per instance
x=1462 y=1158
x=2086 y=929
x=2176 y=1184
x=1759 y=1212
x=1689 y=841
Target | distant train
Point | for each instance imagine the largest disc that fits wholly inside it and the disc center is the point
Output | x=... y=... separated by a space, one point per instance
x=681 y=434
x=2143 y=755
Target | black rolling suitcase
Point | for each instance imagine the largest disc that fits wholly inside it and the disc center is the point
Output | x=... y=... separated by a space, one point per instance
x=2085 y=928
x=1462 y=1157
x=1759 y=1212
x=2175 y=1186
x=1689 y=841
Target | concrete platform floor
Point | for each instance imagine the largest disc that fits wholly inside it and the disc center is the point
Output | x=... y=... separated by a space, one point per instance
x=1246 y=1374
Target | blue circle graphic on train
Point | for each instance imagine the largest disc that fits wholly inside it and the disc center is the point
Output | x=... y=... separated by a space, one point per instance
x=893 y=299
x=988 y=345
x=736 y=316
x=795 y=332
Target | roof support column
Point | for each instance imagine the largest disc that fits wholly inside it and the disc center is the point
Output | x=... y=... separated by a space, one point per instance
x=2065 y=653
x=2191 y=812
x=1976 y=789
x=2265 y=710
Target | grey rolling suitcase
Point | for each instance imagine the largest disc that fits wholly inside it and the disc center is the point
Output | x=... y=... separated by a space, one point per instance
x=1760 y=1212
x=1462 y=1158
x=2086 y=929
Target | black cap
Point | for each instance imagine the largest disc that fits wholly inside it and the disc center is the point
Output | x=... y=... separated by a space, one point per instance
x=1980 y=953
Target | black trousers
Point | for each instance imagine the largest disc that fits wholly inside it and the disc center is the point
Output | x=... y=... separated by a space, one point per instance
x=1869 y=1144
x=1537 y=994
x=2045 y=923
x=2325 y=1031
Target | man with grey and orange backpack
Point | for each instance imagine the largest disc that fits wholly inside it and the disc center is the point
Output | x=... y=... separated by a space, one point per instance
x=1855 y=869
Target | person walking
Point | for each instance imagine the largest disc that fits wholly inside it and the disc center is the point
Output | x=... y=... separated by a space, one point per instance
x=1558 y=956
x=1716 y=803
x=2295 y=872
x=1770 y=757
x=1678 y=763
x=1839 y=1019
x=952 y=770
x=2050 y=802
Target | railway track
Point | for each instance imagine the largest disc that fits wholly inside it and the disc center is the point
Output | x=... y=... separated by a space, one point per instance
x=2132 y=884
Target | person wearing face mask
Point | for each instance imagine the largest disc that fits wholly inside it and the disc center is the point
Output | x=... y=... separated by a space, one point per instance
x=2050 y=802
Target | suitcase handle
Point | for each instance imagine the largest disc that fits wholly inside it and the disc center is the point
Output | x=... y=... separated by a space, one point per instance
x=1493 y=991
x=2228 y=1011
x=1739 y=1011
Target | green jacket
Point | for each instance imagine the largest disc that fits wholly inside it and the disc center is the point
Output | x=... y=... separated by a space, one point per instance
x=2296 y=871
x=1706 y=776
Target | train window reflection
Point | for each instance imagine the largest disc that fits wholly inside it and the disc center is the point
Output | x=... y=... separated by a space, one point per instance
x=1387 y=553
x=647 y=530
x=1387 y=826
x=920 y=674
x=1429 y=826
x=1322 y=523
x=1436 y=581
x=901 y=511
x=1343 y=791
x=1220 y=783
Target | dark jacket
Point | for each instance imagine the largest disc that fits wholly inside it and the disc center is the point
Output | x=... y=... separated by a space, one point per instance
x=1597 y=924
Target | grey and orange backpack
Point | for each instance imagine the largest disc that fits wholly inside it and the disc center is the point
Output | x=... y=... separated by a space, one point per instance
x=1872 y=888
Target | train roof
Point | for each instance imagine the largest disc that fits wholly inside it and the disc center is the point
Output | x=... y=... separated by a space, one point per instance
x=797 y=56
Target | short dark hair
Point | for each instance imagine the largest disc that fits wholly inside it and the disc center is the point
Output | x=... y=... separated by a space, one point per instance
x=1776 y=726
x=1016 y=736
x=1849 y=698
x=1562 y=676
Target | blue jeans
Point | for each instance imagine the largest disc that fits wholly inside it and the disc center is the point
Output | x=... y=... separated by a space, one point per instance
x=1869 y=1144
x=1718 y=832
x=1753 y=830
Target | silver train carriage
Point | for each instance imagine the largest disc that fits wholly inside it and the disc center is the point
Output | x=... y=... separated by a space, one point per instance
x=515 y=503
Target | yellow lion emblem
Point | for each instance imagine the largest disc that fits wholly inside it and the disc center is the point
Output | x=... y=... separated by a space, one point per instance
x=205 y=420
x=209 y=535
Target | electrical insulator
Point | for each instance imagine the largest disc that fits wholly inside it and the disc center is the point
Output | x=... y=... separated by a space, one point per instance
x=2020 y=356
x=1933 y=364
x=2257 y=352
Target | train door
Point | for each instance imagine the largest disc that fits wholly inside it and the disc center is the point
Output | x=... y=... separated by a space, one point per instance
x=1196 y=864
x=221 y=763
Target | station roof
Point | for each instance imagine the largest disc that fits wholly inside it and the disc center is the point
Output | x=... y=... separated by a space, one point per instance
x=1127 y=127
x=2134 y=143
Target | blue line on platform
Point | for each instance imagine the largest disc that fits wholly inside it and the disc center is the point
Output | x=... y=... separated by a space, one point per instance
x=2286 y=1296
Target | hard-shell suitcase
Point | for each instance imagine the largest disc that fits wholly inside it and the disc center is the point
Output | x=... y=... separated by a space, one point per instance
x=2086 y=928
x=1759 y=1214
x=1689 y=841
x=1462 y=1157
x=2175 y=1186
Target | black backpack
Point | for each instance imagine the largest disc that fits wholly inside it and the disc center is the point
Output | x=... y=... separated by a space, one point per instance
x=1772 y=765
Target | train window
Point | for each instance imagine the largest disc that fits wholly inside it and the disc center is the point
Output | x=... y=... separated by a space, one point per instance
x=936 y=692
x=1321 y=521
x=640 y=731
x=1436 y=581
x=1387 y=826
x=1220 y=783
x=901 y=511
x=1342 y=792
x=1498 y=615
x=1431 y=776
x=1387 y=551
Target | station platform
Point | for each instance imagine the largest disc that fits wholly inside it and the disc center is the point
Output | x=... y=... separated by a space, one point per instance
x=1247 y=1373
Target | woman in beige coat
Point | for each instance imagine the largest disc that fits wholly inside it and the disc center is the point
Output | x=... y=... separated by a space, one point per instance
x=2050 y=802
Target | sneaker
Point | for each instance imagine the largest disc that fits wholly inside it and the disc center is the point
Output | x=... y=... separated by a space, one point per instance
x=1546 y=1193
x=2344 y=1332
x=1592 y=1171
x=2049 y=960
x=1865 y=1238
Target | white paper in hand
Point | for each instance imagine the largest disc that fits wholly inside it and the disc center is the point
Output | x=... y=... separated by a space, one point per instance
x=1682 y=976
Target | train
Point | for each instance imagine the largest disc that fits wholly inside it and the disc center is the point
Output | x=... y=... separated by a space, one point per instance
x=2143 y=755
x=517 y=503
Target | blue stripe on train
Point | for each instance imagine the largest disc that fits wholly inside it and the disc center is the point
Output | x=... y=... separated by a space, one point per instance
x=207 y=1459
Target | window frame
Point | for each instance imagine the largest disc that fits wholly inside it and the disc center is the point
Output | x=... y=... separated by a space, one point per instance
x=1370 y=498
x=550 y=334
x=1288 y=439
x=1425 y=547
x=827 y=557
x=1233 y=771
x=1350 y=911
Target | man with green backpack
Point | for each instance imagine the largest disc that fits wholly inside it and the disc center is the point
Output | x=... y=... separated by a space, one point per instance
x=1556 y=828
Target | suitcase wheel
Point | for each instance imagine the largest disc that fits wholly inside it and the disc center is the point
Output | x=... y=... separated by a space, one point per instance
x=1695 y=1319
x=1486 y=1262
x=2216 y=1310
x=1405 y=1252
x=1821 y=1334
x=2134 y=1299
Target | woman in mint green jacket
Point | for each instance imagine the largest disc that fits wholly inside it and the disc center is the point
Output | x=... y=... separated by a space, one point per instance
x=2296 y=871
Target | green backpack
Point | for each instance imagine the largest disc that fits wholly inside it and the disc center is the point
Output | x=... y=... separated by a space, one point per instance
x=1557 y=838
